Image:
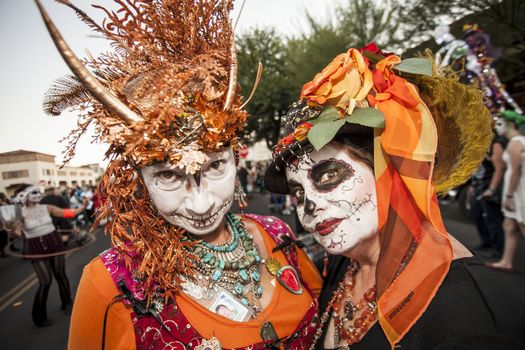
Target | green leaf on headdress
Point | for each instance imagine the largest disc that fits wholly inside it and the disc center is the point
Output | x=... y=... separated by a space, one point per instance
x=370 y=117
x=324 y=131
x=328 y=114
x=420 y=66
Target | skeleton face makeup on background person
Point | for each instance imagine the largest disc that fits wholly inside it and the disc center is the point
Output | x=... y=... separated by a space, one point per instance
x=33 y=195
x=196 y=202
x=336 y=197
x=500 y=126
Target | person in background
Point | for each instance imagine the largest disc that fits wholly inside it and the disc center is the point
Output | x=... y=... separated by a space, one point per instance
x=87 y=193
x=252 y=175
x=486 y=191
x=260 y=178
x=75 y=202
x=4 y=200
x=63 y=225
x=41 y=238
x=96 y=202
x=513 y=190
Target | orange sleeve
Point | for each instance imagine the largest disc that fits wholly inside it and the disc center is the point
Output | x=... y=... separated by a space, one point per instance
x=95 y=292
x=309 y=272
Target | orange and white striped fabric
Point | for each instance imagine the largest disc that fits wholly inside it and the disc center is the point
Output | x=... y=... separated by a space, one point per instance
x=415 y=249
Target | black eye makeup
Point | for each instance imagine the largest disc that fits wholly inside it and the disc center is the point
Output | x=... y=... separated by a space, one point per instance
x=297 y=191
x=328 y=174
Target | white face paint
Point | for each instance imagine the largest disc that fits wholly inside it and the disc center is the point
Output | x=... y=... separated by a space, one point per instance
x=336 y=197
x=197 y=202
x=500 y=126
x=32 y=195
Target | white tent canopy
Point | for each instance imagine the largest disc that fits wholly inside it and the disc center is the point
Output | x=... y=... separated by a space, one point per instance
x=259 y=152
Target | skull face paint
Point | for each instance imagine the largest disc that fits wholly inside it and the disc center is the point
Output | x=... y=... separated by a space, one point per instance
x=196 y=202
x=336 y=197
x=501 y=126
x=32 y=195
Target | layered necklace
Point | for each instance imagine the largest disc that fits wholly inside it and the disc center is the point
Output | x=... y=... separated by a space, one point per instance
x=349 y=328
x=233 y=265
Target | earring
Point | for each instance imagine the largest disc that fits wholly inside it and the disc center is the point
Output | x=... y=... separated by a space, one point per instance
x=325 y=264
x=239 y=196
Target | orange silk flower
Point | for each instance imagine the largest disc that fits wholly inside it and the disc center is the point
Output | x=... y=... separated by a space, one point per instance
x=344 y=82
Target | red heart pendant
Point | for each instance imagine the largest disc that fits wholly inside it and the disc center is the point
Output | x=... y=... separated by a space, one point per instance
x=289 y=279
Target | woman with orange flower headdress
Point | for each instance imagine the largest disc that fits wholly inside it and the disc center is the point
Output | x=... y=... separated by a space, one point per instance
x=372 y=141
x=183 y=272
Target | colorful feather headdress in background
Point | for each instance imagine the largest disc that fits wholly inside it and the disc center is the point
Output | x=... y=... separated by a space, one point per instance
x=167 y=92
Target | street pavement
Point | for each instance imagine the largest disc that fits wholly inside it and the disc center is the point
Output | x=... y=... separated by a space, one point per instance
x=18 y=282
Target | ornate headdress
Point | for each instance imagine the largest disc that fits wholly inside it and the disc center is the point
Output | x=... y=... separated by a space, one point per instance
x=342 y=99
x=167 y=92
x=429 y=133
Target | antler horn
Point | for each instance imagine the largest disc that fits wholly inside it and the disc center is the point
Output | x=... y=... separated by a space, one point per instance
x=94 y=86
x=233 y=76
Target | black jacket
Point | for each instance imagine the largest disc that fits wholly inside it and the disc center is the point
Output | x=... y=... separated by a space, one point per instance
x=475 y=308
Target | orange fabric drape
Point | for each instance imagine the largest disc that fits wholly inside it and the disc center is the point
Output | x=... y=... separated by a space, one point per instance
x=415 y=250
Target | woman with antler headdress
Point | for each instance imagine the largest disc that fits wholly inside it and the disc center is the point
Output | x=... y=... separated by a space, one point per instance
x=183 y=272
x=371 y=142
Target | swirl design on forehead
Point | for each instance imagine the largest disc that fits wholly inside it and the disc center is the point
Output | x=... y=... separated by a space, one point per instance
x=301 y=156
x=328 y=174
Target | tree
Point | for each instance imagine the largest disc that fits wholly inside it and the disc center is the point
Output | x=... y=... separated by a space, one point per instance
x=309 y=53
x=274 y=93
x=289 y=63
x=366 y=21
x=394 y=25
x=357 y=23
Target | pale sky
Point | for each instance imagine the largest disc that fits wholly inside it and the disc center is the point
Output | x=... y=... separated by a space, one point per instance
x=30 y=62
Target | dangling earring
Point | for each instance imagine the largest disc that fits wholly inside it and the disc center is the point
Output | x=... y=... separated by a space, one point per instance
x=325 y=264
x=239 y=196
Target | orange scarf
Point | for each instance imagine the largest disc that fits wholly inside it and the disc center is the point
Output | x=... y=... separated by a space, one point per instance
x=415 y=250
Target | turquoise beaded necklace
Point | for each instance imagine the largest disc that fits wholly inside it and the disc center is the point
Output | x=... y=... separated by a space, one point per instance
x=233 y=265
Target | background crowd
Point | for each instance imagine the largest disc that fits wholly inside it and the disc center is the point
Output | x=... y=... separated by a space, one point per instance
x=64 y=198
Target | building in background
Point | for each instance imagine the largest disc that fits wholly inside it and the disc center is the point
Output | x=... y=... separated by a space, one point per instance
x=18 y=167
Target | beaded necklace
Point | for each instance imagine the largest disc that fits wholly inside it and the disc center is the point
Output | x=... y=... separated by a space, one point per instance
x=341 y=300
x=233 y=265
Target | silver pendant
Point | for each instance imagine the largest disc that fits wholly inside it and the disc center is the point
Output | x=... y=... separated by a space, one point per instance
x=268 y=332
x=193 y=290
x=212 y=344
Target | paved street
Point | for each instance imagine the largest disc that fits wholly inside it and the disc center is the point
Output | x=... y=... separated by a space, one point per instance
x=18 y=284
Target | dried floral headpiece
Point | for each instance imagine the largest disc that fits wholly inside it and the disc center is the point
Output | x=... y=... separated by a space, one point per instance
x=169 y=86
